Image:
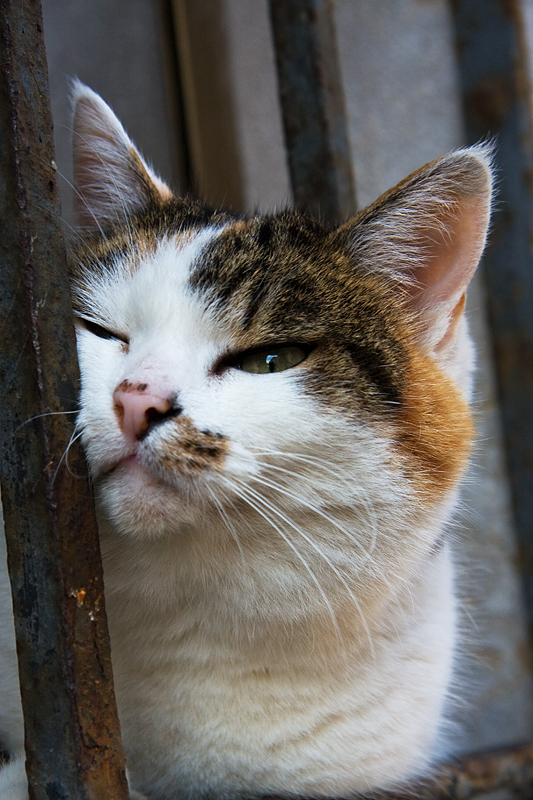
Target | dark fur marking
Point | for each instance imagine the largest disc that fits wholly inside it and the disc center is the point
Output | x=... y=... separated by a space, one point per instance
x=194 y=450
x=288 y=279
x=264 y=233
x=99 y=254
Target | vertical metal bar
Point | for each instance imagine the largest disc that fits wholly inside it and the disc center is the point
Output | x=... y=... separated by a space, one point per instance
x=313 y=110
x=72 y=736
x=497 y=101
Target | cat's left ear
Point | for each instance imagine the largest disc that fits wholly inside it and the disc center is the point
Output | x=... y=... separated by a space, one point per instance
x=111 y=179
x=427 y=234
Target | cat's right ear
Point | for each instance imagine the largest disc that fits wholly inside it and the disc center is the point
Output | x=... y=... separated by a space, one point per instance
x=111 y=179
x=427 y=235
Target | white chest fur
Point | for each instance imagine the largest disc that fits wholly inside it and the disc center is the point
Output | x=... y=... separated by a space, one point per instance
x=224 y=714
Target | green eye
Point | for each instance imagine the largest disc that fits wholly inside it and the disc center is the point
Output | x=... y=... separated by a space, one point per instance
x=275 y=359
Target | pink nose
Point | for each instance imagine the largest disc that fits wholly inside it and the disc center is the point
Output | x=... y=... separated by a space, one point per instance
x=137 y=409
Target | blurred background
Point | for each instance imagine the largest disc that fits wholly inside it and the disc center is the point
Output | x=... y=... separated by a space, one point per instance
x=195 y=84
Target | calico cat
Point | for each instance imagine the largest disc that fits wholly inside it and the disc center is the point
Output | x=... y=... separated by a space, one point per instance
x=276 y=422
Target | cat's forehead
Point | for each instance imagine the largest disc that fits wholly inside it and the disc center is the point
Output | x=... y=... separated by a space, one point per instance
x=286 y=277
x=275 y=278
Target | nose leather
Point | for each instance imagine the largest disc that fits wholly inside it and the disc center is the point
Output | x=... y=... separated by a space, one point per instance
x=137 y=408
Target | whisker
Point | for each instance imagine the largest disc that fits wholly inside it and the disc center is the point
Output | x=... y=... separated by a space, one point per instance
x=270 y=507
x=82 y=239
x=309 y=477
x=83 y=200
x=243 y=495
x=46 y=414
x=230 y=526
x=75 y=436
x=319 y=512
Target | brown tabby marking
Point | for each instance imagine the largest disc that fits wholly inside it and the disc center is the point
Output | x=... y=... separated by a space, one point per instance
x=191 y=450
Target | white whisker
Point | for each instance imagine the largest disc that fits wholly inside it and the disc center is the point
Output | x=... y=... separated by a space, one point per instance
x=83 y=200
x=272 y=485
x=46 y=414
x=270 y=507
x=76 y=232
x=243 y=494
x=229 y=525
x=75 y=436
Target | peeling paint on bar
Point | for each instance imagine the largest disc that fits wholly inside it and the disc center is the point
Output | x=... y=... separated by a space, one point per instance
x=72 y=734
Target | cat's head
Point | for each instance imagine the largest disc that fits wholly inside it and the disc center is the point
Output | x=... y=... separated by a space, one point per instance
x=267 y=372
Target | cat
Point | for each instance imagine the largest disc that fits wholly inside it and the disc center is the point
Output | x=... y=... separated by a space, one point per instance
x=275 y=416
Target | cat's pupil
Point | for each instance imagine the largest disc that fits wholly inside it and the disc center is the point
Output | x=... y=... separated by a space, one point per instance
x=273 y=360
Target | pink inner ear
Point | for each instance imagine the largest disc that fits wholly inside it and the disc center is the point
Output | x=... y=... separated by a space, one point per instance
x=453 y=322
x=111 y=178
x=451 y=252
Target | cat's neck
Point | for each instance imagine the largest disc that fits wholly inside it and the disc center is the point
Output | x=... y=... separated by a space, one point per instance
x=167 y=590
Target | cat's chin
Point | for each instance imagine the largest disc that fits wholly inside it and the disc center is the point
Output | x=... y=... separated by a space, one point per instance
x=133 y=466
x=138 y=501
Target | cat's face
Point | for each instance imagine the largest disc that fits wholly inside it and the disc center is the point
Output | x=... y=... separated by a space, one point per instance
x=283 y=380
x=197 y=388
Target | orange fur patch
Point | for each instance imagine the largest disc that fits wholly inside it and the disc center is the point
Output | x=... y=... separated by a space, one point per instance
x=435 y=428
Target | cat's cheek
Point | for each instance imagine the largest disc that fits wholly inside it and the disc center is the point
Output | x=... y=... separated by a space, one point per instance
x=265 y=412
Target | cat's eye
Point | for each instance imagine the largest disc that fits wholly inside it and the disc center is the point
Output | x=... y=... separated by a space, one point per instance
x=100 y=331
x=274 y=359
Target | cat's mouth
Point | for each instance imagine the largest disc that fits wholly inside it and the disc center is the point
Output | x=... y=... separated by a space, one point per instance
x=131 y=462
x=182 y=451
x=136 y=471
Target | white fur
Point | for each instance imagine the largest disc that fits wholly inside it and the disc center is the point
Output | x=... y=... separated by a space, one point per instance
x=280 y=621
x=301 y=642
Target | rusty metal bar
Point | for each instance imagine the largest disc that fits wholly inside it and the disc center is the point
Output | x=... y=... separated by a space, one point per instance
x=465 y=778
x=312 y=104
x=497 y=100
x=509 y=768
x=73 y=746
